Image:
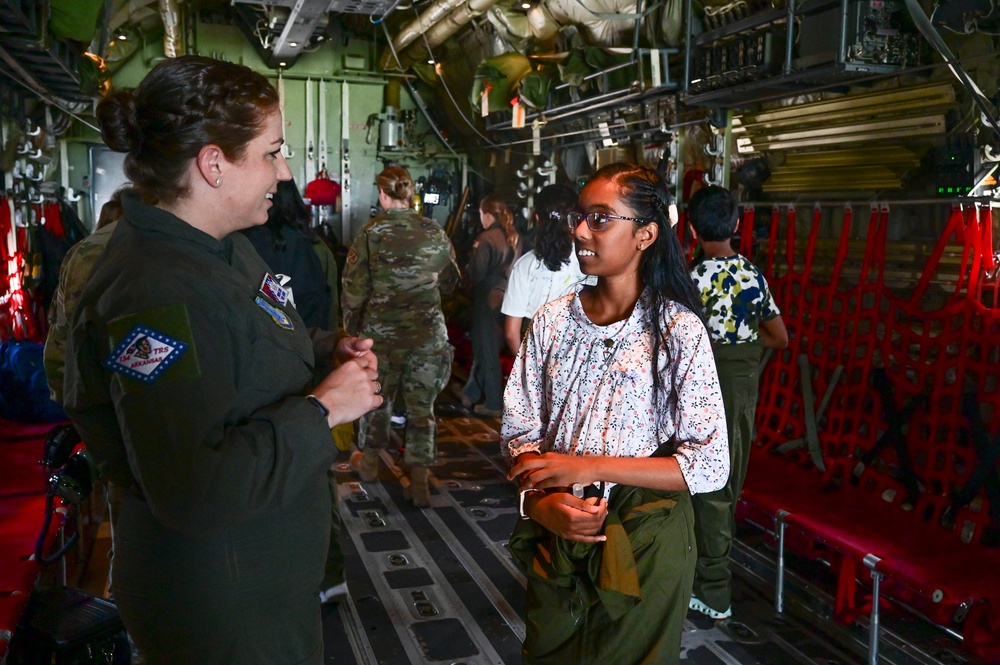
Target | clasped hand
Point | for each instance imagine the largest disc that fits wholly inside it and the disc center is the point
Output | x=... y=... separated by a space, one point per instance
x=560 y=512
x=349 y=391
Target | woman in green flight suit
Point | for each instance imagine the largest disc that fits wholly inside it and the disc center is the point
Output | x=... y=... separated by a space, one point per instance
x=220 y=436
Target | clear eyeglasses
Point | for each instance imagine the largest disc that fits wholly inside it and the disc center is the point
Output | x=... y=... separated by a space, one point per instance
x=596 y=221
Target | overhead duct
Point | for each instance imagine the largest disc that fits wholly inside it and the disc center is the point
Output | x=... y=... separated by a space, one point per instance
x=608 y=23
x=170 y=14
x=438 y=22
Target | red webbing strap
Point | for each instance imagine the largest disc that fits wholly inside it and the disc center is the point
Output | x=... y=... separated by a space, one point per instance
x=683 y=237
x=11 y=273
x=845 y=602
x=772 y=241
x=811 y=246
x=790 y=239
x=843 y=246
x=986 y=244
x=688 y=245
x=955 y=225
x=53 y=220
x=875 y=245
x=746 y=232
x=970 y=252
x=991 y=269
x=5 y=222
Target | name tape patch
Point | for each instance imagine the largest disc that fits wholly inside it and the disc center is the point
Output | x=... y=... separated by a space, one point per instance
x=144 y=354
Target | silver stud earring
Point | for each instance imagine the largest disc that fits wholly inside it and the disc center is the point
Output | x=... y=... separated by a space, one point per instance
x=218 y=181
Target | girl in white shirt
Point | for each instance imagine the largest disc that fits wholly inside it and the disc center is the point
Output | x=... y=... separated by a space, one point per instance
x=547 y=272
x=614 y=387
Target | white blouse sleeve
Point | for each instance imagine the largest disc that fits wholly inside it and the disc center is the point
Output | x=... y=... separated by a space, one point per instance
x=525 y=405
x=702 y=450
x=517 y=295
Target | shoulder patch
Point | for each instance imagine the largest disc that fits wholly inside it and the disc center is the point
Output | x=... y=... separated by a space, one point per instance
x=143 y=354
x=165 y=325
x=352 y=256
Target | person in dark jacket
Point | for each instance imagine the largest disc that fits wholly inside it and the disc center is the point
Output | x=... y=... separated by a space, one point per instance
x=220 y=438
x=494 y=251
x=289 y=247
x=295 y=254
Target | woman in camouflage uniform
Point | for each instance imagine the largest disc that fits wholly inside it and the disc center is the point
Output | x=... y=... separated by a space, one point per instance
x=396 y=271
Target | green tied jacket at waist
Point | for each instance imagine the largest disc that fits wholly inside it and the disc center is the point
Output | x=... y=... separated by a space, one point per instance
x=579 y=576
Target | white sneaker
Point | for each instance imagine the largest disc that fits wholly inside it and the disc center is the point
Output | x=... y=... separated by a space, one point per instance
x=699 y=606
x=334 y=593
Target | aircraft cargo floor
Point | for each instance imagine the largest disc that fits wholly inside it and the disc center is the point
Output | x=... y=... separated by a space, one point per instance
x=437 y=585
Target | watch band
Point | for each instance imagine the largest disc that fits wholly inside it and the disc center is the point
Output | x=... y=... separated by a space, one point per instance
x=318 y=404
x=520 y=502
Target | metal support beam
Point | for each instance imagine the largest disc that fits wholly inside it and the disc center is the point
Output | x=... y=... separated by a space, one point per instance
x=346 y=237
x=301 y=23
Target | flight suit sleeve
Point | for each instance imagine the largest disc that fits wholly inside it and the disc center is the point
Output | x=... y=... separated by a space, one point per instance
x=202 y=458
x=480 y=259
x=357 y=284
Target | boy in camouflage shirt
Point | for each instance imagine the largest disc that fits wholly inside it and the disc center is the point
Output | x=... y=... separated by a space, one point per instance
x=742 y=319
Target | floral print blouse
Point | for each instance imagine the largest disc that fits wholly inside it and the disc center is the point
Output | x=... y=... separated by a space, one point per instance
x=582 y=389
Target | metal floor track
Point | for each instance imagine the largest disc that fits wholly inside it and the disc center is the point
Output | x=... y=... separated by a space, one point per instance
x=436 y=585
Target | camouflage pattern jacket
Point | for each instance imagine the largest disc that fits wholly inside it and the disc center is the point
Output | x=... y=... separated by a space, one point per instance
x=76 y=267
x=396 y=270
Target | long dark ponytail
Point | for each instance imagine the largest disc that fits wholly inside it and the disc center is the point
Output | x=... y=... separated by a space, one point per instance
x=663 y=268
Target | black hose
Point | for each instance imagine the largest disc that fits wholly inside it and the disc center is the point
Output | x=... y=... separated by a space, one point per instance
x=40 y=543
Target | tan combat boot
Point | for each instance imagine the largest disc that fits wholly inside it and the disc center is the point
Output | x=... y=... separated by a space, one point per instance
x=420 y=492
x=365 y=464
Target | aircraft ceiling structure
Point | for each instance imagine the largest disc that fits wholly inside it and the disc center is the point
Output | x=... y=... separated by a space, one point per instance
x=521 y=74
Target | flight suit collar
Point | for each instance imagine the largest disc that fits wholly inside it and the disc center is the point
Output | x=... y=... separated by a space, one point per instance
x=151 y=219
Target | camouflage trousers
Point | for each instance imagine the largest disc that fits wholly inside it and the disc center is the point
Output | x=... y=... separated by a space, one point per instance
x=414 y=377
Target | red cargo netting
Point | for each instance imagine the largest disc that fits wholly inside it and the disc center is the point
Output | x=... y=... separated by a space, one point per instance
x=883 y=404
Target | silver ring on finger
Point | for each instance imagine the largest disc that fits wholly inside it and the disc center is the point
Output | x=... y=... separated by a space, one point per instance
x=378 y=387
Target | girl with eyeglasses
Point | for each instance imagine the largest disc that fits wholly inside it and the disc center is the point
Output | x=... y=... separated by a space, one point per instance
x=612 y=419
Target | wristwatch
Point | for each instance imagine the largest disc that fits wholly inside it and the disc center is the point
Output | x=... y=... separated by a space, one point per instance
x=318 y=404
x=520 y=502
